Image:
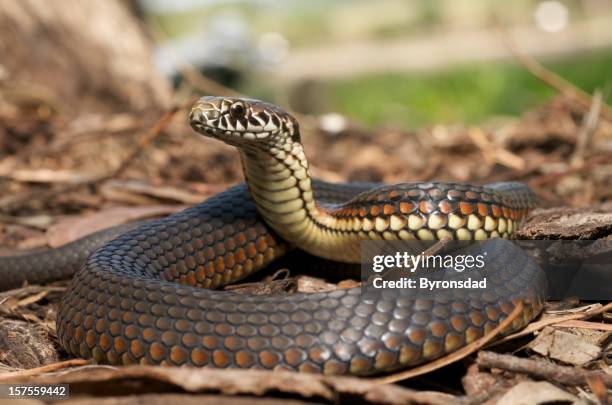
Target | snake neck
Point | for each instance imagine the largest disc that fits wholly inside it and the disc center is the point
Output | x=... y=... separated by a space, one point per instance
x=280 y=184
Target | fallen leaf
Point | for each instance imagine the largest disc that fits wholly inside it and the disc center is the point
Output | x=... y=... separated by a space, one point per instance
x=531 y=393
x=564 y=346
x=307 y=284
x=179 y=194
x=109 y=381
x=75 y=228
x=49 y=176
x=348 y=283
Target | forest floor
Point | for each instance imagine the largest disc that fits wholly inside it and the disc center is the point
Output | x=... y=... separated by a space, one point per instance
x=62 y=177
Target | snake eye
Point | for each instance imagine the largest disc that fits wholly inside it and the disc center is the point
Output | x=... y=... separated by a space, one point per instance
x=237 y=110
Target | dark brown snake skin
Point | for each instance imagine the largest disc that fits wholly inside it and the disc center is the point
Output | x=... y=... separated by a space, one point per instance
x=145 y=296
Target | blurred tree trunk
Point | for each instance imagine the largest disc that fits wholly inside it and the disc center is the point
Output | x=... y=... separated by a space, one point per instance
x=82 y=54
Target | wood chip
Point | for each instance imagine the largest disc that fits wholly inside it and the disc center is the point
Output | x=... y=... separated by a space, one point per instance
x=476 y=382
x=24 y=345
x=567 y=223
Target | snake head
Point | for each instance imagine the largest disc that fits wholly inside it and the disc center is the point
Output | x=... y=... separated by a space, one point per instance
x=240 y=122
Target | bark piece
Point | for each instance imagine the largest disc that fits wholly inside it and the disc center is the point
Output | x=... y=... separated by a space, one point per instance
x=568 y=223
x=24 y=345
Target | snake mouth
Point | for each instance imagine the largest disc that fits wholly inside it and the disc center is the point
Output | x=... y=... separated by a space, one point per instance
x=234 y=121
x=227 y=135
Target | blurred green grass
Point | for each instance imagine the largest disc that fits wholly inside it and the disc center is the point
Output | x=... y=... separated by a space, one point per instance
x=471 y=93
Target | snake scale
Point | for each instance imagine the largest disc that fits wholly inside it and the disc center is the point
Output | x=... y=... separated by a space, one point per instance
x=144 y=294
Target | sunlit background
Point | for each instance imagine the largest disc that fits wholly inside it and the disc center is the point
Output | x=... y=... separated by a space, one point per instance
x=410 y=63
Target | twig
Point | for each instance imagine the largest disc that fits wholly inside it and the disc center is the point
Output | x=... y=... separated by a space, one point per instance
x=154 y=132
x=493 y=154
x=455 y=356
x=585 y=325
x=589 y=125
x=541 y=369
x=550 y=78
x=539 y=181
x=31 y=289
x=31 y=299
x=44 y=369
x=535 y=326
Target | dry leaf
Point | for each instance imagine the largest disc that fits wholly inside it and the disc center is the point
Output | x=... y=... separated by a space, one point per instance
x=532 y=393
x=49 y=176
x=307 y=284
x=75 y=228
x=179 y=194
x=109 y=381
x=564 y=346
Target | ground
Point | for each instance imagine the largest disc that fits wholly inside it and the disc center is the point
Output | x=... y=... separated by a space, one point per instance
x=64 y=176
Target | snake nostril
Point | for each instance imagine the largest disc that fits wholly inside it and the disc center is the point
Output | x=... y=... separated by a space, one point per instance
x=195 y=115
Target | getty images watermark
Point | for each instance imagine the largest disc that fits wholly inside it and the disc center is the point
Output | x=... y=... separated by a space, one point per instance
x=480 y=269
x=410 y=263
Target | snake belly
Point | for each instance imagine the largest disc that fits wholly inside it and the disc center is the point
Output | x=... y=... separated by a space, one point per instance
x=145 y=297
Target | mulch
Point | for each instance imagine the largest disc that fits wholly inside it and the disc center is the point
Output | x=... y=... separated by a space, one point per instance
x=58 y=171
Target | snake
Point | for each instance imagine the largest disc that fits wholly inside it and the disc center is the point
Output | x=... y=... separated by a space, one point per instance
x=149 y=293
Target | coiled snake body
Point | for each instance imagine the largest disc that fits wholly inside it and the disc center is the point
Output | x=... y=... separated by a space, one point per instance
x=139 y=298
